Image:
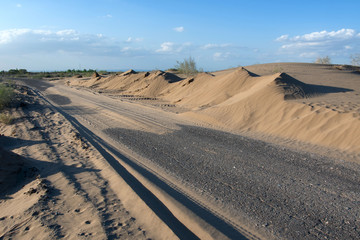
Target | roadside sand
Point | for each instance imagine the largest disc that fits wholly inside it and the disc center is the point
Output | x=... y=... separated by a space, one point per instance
x=53 y=186
x=310 y=103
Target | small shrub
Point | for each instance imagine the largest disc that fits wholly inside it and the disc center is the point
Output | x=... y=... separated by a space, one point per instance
x=355 y=59
x=6 y=95
x=187 y=67
x=278 y=70
x=323 y=60
x=6 y=118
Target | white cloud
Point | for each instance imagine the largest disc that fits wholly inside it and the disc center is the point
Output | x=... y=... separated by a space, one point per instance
x=23 y=41
x=137 y=52
x=18 y=5
x=308 y=55
x=217 y=54
x=301 y=45
x=170 y=47
x=323 y=35
x=7 y=36
x=179 y=29
x=126 y=49
x=320 y=36
x=221 y=56
x=320 y=43
x=131 y=40
x=166 y=47
x=216 y=46
x=29 y=35
x=66 y=32
x=282 y=38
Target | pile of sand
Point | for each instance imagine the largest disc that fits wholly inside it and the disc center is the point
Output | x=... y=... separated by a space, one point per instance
x=150 y=84
x=241 y=100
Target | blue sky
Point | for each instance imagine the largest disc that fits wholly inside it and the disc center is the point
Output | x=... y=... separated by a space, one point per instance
x=46 y=35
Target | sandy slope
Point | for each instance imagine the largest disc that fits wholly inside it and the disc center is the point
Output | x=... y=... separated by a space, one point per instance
x=317 y=104
x=53 y=186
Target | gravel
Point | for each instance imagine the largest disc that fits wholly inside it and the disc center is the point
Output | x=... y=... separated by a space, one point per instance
x=289 y=194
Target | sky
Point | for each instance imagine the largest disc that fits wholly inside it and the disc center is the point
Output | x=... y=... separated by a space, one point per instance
x=48 y=35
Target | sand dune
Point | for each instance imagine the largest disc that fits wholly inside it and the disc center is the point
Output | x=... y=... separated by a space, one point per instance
x=278 y=104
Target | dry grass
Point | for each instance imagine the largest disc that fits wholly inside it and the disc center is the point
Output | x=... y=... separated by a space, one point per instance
x=323 y=60
x=6 y=118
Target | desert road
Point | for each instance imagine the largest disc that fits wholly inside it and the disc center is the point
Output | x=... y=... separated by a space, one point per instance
x=230 y=185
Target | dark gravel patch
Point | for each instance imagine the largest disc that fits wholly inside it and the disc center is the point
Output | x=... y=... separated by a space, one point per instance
x=59 y=99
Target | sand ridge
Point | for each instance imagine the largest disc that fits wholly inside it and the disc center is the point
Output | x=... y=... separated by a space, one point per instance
x=275 y=103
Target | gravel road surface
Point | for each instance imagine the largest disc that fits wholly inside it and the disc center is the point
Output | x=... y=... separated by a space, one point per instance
x=294 y=195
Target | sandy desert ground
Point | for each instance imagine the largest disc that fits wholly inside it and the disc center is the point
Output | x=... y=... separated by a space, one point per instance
x=49 y=188
x=268 y=151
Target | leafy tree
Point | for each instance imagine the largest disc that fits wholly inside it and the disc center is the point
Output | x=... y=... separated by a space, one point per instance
x=13 y=71
x=23 y=71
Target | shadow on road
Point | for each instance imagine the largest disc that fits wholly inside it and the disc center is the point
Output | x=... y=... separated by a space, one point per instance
x=148 y=197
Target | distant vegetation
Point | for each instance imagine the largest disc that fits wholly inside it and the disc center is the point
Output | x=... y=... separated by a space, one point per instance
x=278 y=70
x=355 y=59
x=187 y=67
x=23 y=73
x=323 y=60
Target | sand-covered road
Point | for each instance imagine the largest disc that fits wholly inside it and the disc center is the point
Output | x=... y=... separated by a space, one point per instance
x=212 y=182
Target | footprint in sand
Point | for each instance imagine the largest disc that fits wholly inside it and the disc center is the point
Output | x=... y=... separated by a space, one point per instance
x=85 y=234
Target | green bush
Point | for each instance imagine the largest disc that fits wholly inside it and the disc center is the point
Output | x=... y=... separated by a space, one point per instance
x=6 y=95
x=187 y=67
